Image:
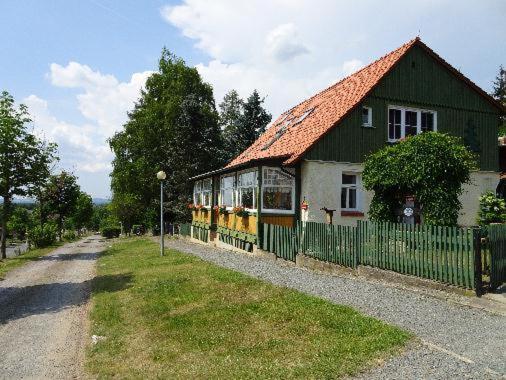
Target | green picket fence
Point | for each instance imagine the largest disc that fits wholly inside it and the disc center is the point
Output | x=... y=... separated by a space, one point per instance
x=444 y=254
x=497 y=254
x=185 y=229
x=335 y=244
x=200 y=233
x=280 y=240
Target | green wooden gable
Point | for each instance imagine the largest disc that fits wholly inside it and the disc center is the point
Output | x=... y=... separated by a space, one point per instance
x=418 y=81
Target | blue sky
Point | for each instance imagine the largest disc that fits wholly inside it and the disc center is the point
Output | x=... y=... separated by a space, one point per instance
x=79 y=65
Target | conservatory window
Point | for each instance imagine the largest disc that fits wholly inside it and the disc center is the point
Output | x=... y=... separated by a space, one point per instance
x=207 y=192
x=278 y=191
x=227 y=191
x=350 y=192
x=247 y=189
x=197 y=193
x=403 y=122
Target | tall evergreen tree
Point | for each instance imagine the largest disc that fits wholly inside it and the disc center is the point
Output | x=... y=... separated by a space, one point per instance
x=173 y=127
x=245 y=121
x=499 y=93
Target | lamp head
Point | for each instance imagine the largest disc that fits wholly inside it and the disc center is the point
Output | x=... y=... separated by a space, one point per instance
x=161 y=175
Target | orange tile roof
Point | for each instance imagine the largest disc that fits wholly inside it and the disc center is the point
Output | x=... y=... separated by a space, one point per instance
x=328 y=107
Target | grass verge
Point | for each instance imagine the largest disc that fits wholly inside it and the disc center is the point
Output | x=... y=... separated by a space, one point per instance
x=181 y=317
x=8 y=264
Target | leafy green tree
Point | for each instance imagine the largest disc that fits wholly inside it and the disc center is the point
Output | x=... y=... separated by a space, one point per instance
x=499 y=93
x=100 y=213
x=24 y=159
x=19 y=222
x=173 y=127
x=62 y=193
x=127 y=209
x=431 y=166
x=242 y=122
x=83 y=212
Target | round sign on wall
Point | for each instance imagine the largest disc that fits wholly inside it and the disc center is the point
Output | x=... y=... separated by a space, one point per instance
x=408 y=211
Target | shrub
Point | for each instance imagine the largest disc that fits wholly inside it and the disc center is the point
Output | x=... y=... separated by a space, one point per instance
x=492 y=209
x=70 y=235
x=431 y=166
x=110 y=232
x=138 y=229
x=43 y=236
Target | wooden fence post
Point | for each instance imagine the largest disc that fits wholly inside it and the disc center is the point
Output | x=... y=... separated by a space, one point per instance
x=478 y=285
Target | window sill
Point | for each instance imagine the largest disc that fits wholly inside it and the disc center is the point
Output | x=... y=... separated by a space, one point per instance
x=352 y=213
x=368 y=126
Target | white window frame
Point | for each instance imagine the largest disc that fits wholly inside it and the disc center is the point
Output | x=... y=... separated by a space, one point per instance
x=369 y=117
x=292 y=187
x=403 y=110
x=234 y=188
x=357 y=186
x=238 y=190
x=196 y=192
x=209 y=191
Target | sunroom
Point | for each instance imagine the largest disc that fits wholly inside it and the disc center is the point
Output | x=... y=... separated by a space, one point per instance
x=229 y=205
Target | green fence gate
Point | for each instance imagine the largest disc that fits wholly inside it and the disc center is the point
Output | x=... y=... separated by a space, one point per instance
x=497 y=259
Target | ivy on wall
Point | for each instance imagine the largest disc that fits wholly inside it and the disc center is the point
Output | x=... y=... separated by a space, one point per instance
x=431 y=166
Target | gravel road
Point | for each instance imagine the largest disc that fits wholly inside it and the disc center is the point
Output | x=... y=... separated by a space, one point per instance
x=454 y=341
x=43 y=314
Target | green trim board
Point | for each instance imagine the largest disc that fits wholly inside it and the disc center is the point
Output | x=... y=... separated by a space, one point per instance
x=237 y=234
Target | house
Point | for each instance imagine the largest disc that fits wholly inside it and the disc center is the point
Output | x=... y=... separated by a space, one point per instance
x=311 y=158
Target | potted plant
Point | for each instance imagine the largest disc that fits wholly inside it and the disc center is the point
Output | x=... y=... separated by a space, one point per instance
x=222 y=210
x=240 y=211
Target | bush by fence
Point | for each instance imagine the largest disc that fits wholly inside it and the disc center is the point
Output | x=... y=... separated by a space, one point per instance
x=110 y=232
x=43 y=236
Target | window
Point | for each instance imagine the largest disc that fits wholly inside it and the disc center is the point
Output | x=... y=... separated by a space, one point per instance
x=197 y=193
x=403 y=122
x=278 y=191
x=350 y=192
x=227 y=190
x=367 y=116
x=247 y=189
x=207 y=192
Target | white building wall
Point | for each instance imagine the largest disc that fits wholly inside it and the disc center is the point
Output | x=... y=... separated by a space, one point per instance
x=321 y=187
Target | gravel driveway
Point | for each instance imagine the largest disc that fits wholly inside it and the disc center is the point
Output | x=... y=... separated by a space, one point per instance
x=455 y=341
x=43 y=314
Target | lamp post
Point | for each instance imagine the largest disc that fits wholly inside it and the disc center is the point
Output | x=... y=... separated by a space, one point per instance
x=161 y=176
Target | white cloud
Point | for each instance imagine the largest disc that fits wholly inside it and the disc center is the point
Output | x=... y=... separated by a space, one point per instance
x=102 y=100
x=282 y=43
x=105 y=100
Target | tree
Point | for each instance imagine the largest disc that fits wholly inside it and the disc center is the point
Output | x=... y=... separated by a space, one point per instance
x=127 y=209
x=62 y=193
x=19 y=222
x=24 y=159
x=173 y=127
x=242 y=122
x=83 y=211
x=499 y=93
x=100 y=213
x=430 y=166
x=231 y=112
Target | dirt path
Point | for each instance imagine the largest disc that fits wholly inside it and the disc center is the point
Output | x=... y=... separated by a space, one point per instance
x=43 y=308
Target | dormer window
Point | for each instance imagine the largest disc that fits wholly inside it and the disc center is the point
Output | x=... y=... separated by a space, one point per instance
x=366 y=116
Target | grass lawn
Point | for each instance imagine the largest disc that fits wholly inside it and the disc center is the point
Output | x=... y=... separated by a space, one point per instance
x=181 y=317
x=33 y=254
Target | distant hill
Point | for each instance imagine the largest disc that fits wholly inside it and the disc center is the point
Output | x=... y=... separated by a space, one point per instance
x=101 y=201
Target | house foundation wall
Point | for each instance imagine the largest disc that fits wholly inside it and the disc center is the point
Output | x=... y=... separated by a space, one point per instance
x=321 y=187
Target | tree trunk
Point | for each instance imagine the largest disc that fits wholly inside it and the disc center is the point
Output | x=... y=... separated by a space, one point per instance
x=5 y=211
x=60 y=227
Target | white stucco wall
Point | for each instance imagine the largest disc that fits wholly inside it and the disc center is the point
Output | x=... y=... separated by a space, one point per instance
x=480 y=183
x=321 y=187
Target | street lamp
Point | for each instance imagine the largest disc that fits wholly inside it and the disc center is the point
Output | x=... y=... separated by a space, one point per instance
x=161 y=176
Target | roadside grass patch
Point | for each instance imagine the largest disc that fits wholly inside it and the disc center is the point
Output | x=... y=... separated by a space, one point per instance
x=8 y=264
x=181 y=317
